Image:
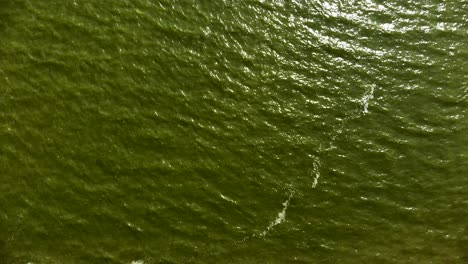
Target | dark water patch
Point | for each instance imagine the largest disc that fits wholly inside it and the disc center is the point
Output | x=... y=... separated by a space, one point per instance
x=4 y=254
x=6 y=14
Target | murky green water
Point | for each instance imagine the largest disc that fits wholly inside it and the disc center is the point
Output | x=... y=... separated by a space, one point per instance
x=233 y=131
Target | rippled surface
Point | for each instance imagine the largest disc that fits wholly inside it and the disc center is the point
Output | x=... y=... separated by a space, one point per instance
x=233 y=131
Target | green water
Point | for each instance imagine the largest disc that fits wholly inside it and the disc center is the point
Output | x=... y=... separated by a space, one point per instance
x=233 y=131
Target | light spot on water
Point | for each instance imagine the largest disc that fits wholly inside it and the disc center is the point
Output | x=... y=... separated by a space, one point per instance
x=228 y=199
x=387 y=27
x=134 y=226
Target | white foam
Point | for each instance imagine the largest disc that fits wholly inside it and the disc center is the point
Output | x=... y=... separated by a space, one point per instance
x=137 y=262
x=280 y=218
x=228 y=199
x=365 y=100
x=316 y=172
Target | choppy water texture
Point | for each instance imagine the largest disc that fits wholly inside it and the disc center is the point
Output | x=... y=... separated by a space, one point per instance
x=233 y=131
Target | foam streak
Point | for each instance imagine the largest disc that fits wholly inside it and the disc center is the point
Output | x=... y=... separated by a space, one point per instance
x=280 y=218
x=316 y=172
